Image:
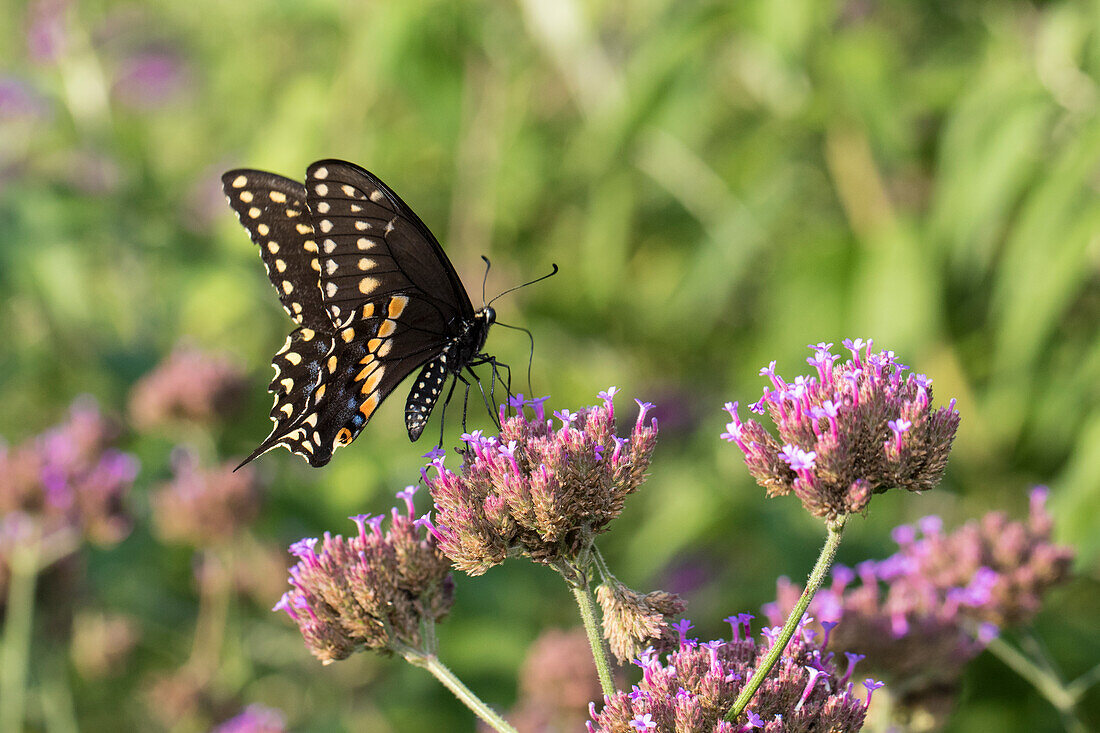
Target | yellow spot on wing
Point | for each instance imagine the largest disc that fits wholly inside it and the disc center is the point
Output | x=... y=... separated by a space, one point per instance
x=376 y=195
x=387 y=328
x=332 y=363
x=368 y=407
x=321 y=189
x=366 y=263
x=246 y=196
x=308 y=334
x=272 y=246
x=309 y=246
x=280 y=265
x=263 y=229
x=294 y=358
x=367 y=285
x=368 y=310
x=373 y=380
x=347 y=334
x=397 y=305
x=321 y=172
x=373 y=344
x=240 y=182
x=288 y=288
x=304 y=228
x=348 y=190
x=254 y=213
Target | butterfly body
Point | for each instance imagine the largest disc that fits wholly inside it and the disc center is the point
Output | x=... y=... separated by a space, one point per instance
x=373 y=296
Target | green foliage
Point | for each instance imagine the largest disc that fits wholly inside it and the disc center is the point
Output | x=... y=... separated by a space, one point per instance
x=720 y=183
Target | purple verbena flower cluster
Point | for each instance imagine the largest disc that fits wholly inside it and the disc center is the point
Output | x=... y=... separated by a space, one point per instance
x=855 y=429
x=190 y=385
x=538 y=490
x=371 y=591
x=205 y=506
x=68 y=479
x=921 y=614
x=696 y=684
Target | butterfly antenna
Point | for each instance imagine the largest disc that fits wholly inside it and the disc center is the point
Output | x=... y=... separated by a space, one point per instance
x=485 y=279
x=532 y=282
x=530 y=354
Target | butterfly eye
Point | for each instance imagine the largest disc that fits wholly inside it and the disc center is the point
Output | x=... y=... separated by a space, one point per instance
x=342 y=438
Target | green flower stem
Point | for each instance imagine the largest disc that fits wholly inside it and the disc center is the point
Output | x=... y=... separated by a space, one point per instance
x=18 y=626
x=440 y=671
x=586 y=602
x=817 y=576
x=1046 y=683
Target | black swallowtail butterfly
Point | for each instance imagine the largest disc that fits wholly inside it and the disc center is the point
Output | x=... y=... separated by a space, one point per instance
x=372 y=293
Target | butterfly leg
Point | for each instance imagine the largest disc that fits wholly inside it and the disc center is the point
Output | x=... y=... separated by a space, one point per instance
x=484 y=397
x=443 y=411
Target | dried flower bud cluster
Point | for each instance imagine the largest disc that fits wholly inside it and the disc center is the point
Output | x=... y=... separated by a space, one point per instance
x=698 y=682
x=921 y=614
x=68 y=479
x=190 y=385
x=856 y=429
x=538 y=491
x=371 y=591
x=255 y=719
x=202 y=506
x=632 y=621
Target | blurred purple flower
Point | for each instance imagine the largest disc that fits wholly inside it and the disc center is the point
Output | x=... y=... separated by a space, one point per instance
x=20 y=101
x=855 y=429
x=696 y=683
x=556 y=682
x=254 y=719
x=47 y=30
x=541 y=491
x=190 y=385
x=205 y=506
x=150 y=79
x=371 y=591
x=70 y=478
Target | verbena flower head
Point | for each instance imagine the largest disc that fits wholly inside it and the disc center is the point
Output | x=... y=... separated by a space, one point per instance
x=204 y=506
x=694 y=686
x=855 y=429
x=189 y=386
x=632 y=621
x=68 y=480
x=370 y=591
x=254 y=719
x=543 y=489
x=921 y=614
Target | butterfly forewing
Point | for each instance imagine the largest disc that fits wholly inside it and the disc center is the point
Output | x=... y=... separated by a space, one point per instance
x=374 y=246
x=274 y=211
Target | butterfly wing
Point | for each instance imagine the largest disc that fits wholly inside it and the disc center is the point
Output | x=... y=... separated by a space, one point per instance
x=376 y=251
x=373 y=246
x=370 y=287
x=274 y=211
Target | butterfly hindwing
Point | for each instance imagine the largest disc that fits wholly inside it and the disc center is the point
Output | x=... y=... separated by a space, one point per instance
x=299 y=370
x=274 y=211
x=424 y=394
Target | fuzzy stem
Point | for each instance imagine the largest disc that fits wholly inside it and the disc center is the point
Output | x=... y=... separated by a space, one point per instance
x=1048 y=685
x=18 y=627
x=817 y=576
x=440 y=671
x=586 y=602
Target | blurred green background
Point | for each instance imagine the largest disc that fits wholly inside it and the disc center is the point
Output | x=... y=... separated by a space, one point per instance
x=720 y=184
